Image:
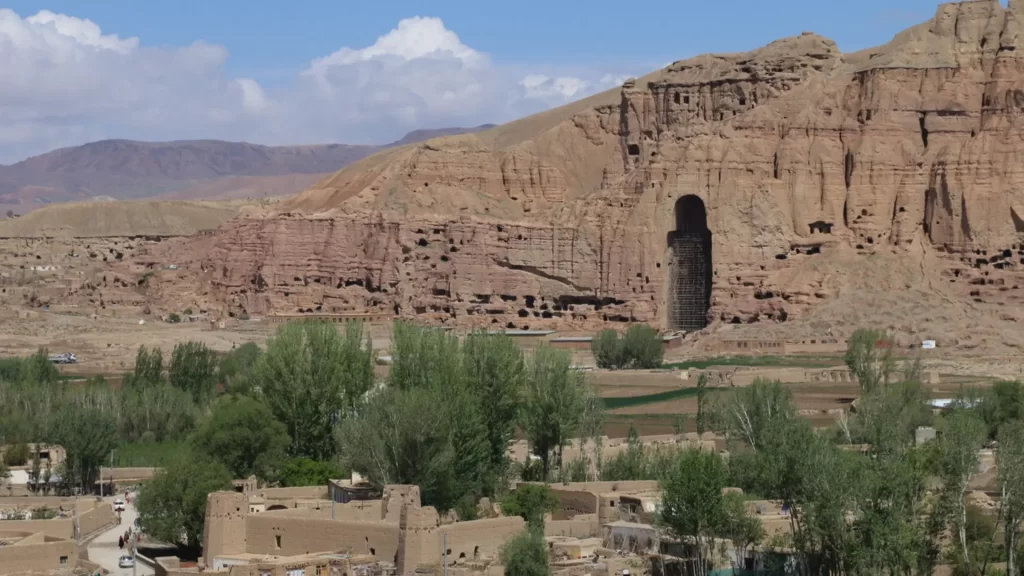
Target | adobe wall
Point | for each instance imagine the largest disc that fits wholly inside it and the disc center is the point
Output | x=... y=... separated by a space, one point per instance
x=224 y=526
x=572 y=503
x=307 y=535
x=475 y=538
x=54 y=528
x=56 y=502
x=609 y=486
x=32 y=555
x=298 y=493
x=99 y=516
x=775 y=347
x=128 y=474
x=355 y=511
x=581 y=526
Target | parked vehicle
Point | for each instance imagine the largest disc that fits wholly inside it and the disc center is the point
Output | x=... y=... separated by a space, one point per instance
x=65 y=358
x=126 y=562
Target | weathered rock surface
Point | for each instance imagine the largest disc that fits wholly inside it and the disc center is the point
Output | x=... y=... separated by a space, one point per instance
x=828 y=179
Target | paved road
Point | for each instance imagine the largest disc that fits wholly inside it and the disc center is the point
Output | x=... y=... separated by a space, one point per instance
x=104 y=551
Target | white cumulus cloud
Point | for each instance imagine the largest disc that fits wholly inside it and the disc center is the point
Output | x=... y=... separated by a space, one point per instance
x=65 y=81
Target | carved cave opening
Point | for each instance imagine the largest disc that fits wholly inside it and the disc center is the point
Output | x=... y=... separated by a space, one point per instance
x=690 y=283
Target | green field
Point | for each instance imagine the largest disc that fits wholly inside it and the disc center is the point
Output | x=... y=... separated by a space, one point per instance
x=147 y=454
x=625 y=402
x=768 y=361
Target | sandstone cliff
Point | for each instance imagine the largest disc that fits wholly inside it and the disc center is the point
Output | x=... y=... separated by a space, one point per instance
x=826 y=181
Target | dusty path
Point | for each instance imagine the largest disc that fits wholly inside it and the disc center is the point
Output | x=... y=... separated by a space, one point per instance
x=103 y=549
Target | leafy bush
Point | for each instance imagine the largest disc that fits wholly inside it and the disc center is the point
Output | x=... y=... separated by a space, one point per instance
x=530 y=502
x=606 y=349
x=173 y=318
x=308 y=472
x=641 y=347
x=526 y=555
x=193 y=368
x=17 y=455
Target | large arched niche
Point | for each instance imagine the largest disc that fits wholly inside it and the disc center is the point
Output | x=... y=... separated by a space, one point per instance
x=689 y=298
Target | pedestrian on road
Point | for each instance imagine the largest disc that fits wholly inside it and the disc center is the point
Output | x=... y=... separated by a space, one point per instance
x=120 y=542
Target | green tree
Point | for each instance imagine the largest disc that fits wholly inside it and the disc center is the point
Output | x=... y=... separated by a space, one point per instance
x=193 y=368
x=1010 y=468
x=311 y=377
x=400 y=437
x=746 y=413
x=243 y=435
x=306 y=472
x=36 y=470
x=87 y=433
x=962 y=437
x=17 y=454
x=495 y=369
x=557 y=403
x=702 y=398
x=148 y=369
x=695 y=509
x=431 y=370
x=530 y=502
x=526 y=554
x=35 y=369
x=172 y=506
x=607 y=350
x=869 y=355
x=236 y=368
x=643 y=347
x=1002 y=403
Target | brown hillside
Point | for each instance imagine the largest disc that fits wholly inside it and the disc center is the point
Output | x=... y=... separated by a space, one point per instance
x=103 y=219
x=792 y=191
x=186 y=170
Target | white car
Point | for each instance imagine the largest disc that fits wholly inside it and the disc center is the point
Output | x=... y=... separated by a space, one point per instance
x=125 y=562
x=119 y=505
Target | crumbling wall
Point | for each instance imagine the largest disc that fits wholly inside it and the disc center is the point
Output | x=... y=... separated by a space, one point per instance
x=478 y=538
x=288 y=536
x=36 y=553
x=224 y=527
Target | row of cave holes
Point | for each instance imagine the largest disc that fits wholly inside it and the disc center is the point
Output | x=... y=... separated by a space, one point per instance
x=780 y=316
x=1000 y=260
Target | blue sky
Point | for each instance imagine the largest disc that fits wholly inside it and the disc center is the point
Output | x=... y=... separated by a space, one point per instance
x=233 y=69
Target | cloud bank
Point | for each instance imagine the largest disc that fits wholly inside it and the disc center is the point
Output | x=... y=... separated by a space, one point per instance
x=66 y=82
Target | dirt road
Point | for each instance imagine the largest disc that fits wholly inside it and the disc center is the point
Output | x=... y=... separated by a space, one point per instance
x=104 y=551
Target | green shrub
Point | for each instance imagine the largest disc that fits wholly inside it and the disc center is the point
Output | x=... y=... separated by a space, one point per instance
x=174 y=318
x=607 y=350
x=17 y=455
x=643 y=347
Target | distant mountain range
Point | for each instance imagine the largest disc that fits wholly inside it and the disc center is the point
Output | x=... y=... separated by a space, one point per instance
x=184 y=170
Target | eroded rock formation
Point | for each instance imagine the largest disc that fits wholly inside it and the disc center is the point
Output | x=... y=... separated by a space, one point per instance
x=781 y=166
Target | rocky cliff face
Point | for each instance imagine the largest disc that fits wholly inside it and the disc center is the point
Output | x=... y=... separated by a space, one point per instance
x=786 y=168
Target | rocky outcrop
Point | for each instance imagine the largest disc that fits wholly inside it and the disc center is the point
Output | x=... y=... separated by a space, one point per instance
x=799 y=163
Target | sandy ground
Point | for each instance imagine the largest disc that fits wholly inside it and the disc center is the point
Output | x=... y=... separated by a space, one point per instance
x=103 y=549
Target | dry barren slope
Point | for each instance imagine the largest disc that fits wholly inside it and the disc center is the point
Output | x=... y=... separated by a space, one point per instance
x=139 y=218
x=883 y=186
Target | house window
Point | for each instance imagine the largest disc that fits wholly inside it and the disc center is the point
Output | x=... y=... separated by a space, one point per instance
x=319 y=571
x=63 y=559
x=277 y=540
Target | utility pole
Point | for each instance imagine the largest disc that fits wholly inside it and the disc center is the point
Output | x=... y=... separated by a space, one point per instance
x=111 y=475
x=444 y=543
x=332 y=508
x=78 y=527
